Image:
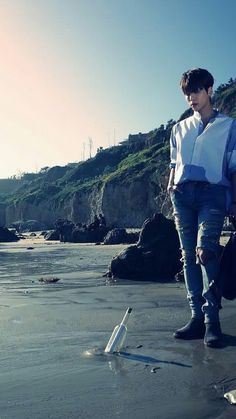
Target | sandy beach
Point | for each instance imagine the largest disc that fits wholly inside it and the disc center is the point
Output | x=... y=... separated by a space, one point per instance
x=53 y=336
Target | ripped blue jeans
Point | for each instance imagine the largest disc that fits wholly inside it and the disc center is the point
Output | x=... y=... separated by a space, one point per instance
x=199 y=211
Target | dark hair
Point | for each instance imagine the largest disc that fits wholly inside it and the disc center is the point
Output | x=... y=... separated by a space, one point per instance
x=195 y=79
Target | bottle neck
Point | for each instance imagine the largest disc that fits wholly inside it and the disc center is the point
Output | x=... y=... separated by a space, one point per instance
x=126 y=316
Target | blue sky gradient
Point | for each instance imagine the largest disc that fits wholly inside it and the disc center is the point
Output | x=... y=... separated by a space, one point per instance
x=101 y=69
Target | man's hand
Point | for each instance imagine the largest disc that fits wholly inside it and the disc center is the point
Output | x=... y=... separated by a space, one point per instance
x=169 y=188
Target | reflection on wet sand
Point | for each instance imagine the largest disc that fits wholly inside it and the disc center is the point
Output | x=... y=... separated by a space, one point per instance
x=53 y=337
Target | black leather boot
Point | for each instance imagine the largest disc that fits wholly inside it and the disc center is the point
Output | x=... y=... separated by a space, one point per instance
x=213 y=335
x=194 y=329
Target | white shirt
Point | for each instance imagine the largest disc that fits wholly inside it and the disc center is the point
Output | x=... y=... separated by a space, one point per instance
x=204 y=154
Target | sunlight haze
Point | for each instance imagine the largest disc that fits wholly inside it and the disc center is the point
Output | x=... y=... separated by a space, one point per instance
x=100 y=69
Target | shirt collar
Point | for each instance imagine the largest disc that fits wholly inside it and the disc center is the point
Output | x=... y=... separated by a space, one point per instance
x=198 y=116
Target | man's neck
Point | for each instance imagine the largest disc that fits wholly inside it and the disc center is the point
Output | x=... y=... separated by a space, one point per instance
x=206 y=114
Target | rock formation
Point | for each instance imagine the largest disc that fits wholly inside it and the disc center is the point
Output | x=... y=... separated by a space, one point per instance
x=120 y=236
x=156 y=255
x=7 y=236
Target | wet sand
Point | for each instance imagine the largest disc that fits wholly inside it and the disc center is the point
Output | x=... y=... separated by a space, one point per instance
x=53 y=335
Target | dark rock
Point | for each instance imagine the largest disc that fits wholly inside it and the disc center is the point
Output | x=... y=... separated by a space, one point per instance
x=52 y=235
x=76 y=233
x=64 y=228
x=156 y=255
x=81 y=235
x=7 y=235
x=132 y=237
x=119 y=236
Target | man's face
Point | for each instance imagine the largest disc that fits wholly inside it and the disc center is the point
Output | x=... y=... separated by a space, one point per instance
x=199 y=99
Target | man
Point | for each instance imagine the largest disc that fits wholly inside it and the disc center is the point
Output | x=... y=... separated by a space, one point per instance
x=202 y=187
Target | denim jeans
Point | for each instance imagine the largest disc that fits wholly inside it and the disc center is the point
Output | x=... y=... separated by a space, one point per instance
x=199 y=211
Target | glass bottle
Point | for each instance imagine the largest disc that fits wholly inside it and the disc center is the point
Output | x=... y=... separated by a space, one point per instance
x=118 y=335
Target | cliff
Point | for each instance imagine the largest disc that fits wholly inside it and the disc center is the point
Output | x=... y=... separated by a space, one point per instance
x=127 y=183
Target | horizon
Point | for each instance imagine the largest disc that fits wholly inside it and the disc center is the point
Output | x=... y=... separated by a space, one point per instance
x=86 y=74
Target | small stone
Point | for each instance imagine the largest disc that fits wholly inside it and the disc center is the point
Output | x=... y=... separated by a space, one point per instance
x=154 y=370
x=49 y=280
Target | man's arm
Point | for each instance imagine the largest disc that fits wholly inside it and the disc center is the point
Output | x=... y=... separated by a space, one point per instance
x=171 y=179
x=173 y=153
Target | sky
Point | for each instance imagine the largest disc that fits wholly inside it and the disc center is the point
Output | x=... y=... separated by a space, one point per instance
x=80 y=72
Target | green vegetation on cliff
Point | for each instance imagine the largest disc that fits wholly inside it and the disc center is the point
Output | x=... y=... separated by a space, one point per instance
x=225 y=98
x=141 y=164
x=141 y=156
